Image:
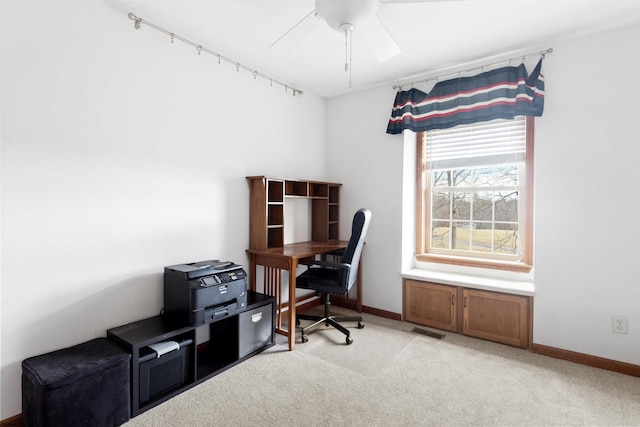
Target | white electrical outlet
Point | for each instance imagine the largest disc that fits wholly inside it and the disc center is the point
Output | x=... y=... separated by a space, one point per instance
x=619 y=324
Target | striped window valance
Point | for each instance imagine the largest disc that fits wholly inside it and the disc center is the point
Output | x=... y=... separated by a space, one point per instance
x=503 y=93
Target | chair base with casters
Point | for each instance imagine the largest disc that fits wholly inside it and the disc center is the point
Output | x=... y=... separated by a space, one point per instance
x=328 y=320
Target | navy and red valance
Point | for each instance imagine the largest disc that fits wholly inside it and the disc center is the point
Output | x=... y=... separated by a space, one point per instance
x=503 y=93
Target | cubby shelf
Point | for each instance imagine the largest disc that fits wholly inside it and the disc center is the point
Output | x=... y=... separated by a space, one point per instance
x=232 y=340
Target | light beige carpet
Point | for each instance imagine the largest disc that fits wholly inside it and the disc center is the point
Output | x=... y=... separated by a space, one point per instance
x=391 y=376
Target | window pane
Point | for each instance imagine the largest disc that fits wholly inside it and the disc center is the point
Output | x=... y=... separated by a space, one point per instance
x=482 y=240
x=507 y=175
x=441 y=208
x=507 y=206
x=461 y=205
x=483 y=176
x=460 y=235
x=440 y=234
x=462 y=178
x=483 y=206
x=441 y=178
x=506 y=239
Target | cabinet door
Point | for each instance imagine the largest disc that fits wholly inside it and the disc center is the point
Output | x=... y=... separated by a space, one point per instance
x=496 y=317
x=430 y=304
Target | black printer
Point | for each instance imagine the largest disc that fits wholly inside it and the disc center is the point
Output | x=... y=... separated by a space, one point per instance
x=202 y=292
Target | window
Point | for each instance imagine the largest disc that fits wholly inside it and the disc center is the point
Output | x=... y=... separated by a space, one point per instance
x=475 y=194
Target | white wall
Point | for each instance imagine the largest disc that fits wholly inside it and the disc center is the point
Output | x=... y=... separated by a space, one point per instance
x=586 y=232
x=121 y=154
x=369 y=164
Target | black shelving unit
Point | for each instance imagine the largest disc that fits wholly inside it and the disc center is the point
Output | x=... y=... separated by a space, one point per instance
x=232 y=340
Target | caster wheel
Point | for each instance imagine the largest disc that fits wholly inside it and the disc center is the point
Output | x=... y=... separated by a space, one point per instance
x=305 y=338
x=349 y=340
x=360 y=325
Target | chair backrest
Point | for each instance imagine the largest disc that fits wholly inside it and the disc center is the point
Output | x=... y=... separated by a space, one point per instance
x=352 y=253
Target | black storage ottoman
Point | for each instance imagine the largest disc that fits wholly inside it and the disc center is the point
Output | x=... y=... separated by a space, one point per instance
x=84 y=385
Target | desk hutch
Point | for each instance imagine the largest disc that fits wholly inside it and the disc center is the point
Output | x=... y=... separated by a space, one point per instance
x=266 y=222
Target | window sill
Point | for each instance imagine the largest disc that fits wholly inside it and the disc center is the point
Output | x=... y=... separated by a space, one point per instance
x=525 y=288
x=518 y=267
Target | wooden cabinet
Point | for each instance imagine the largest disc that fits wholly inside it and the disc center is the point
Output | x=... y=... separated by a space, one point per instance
x=266 y=209
x=430 y=304
x=494 y=316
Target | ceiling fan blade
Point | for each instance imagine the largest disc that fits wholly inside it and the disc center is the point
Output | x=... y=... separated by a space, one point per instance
x=378 y=39
x=300 y=30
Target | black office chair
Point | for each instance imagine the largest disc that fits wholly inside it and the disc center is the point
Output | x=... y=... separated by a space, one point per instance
x=328 y=277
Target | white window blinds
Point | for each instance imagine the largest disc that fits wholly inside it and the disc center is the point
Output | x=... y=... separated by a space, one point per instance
x=478 y=144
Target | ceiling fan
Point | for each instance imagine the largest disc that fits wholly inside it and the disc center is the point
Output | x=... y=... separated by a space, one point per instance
x=347 y=16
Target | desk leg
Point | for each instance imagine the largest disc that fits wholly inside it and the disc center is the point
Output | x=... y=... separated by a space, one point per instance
x=273 y=286
x=252 y=271
x=293 y=267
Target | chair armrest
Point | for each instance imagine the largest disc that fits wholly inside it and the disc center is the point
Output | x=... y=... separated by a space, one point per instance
x=330 y=264
x=337 y=252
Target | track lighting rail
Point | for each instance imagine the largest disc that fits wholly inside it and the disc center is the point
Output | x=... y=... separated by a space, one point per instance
x=199 y=48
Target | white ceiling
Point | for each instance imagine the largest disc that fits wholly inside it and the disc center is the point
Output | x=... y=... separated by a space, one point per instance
x=434 y=36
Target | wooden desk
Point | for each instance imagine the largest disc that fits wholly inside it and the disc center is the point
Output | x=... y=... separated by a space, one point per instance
x=274 y=260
